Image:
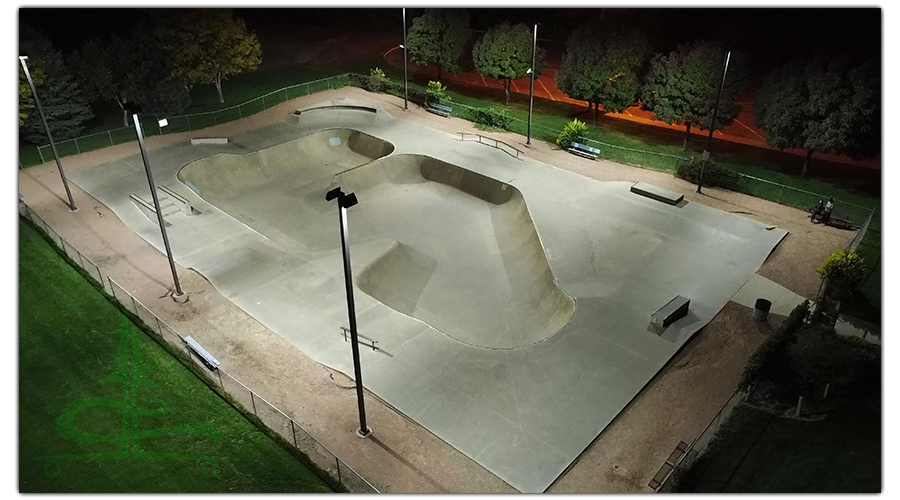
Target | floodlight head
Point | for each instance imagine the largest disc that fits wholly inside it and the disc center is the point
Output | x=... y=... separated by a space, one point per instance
x=403 y=46
x=163 y=122
x=334 y=193
x=22 y=58
x=528 y=72
x=132 y=107
x=348 y=200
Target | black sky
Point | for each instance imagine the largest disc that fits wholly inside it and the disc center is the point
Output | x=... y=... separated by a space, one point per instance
x=768 y=36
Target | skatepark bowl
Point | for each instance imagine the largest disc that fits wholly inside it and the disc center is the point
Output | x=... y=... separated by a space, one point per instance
x=420 y=203
x=512 y=301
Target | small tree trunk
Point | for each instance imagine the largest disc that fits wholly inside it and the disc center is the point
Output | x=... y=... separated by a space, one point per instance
x=219 y=89
x=687 y=136
x=506 y=84
x=596 y=111
x=809 y=153
x=121 y=102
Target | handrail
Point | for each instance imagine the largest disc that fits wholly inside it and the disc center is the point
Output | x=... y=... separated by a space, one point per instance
x=495 y=145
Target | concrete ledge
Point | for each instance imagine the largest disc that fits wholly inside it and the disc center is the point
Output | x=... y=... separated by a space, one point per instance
x=674 y=310
x=336 y=106
x=657 y=193
x=209 y=140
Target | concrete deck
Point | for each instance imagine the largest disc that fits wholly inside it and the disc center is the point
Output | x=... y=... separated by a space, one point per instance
x=490 y=355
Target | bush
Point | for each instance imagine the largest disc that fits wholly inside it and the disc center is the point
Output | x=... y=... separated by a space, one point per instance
x=574 y=131
x=769 y=362
x=375 y=82
x=436 y=92
x=713 y=174
x=492 y=117
x=843 y=272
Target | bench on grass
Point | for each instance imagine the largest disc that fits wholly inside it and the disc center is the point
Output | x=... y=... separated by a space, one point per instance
x=583 y=150
x=439 y=109
x=211 y=362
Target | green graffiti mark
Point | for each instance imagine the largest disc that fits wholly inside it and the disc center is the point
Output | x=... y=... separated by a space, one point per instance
x=130 y=370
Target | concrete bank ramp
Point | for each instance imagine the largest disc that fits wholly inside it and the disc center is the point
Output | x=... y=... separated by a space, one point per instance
x=469 y=261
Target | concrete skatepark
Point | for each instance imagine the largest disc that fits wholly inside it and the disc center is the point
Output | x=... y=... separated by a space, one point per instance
x=511 y=300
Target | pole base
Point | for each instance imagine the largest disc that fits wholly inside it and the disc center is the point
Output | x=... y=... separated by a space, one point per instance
x=362 y=435
x=181 y=299
x=73 y=209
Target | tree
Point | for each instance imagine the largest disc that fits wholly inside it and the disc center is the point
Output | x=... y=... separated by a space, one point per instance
x=105 y=71
x=602 y=67
x=504 y=52
x=208 y=45
x=62 y=101
x=822 y=104
x=439 y=37
x=681 y=87
x=26 y=99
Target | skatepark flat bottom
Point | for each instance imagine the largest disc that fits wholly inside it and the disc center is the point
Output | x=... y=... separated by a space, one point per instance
x=511 y=300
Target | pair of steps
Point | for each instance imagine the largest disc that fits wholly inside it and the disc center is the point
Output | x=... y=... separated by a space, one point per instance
x=170 y=203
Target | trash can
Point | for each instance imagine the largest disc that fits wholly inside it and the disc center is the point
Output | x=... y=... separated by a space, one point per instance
x=761 y=310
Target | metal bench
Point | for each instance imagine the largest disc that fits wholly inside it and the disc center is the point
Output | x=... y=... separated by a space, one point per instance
x=439 y=109
x=208 y=359
x=584 y=151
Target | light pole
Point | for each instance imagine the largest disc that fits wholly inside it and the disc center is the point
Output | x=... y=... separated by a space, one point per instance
x=531 y=71
x=37 y=103
x=712 y=125
x=405 y=77
x=134 y=109
x=346 y=201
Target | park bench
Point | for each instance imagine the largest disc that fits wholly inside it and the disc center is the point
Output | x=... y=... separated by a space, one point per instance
x=584 y=151
x=439 y=109
x=211 y=362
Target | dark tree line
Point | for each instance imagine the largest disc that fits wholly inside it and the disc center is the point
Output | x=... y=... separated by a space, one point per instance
x=155 y=66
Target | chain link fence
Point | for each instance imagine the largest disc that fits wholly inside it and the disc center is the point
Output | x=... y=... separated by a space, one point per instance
x=37 y=155
x=664 y=479
x=278 y=422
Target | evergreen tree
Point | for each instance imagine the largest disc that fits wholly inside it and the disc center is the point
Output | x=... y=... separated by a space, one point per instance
x=822 y=104
x=681 y=87
x=602 y=67
x=62 y=101
x=504 y=52
x=439 y=37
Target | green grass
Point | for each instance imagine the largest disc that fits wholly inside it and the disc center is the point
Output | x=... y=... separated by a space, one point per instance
x=756 y=452
x=67 y=337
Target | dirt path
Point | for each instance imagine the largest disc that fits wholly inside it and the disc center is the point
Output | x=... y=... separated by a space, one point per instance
x=403 y=456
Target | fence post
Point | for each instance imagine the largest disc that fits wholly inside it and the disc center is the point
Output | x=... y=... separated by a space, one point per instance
x=189 y=121
x=827 y=386
x=252 y=401
x=215 y=120
x=240 y=115
x=42 y=155
x=799 y=405
x=76 y=146
x=307 y=89
x=264 y=102
x=285 y=94
x=294 y=433
x=781 y=196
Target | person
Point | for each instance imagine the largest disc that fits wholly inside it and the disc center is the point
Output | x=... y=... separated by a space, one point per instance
x=826 y=214
x=816 y=211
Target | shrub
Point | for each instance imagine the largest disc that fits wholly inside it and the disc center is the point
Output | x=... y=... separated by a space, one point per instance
x=843 y=272
x=436 y=92
x=492 y=117
x=383 y=85
x=713 y=174
x=769 y=362
x=574 y=131
x=377 y=73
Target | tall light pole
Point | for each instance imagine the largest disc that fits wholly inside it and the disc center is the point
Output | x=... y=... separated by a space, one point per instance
x=134 y=109
x=531 y=92
x=346 y=201
x=37 y=103
x=712 y=125
x=405 y=77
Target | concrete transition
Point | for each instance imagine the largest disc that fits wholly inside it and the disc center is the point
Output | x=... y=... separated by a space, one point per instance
x=509 y=299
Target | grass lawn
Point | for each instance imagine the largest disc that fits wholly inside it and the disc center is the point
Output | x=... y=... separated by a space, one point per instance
x=69 y=350
x=757 y=452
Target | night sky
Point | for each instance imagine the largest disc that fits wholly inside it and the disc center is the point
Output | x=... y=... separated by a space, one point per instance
x=767 y=36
